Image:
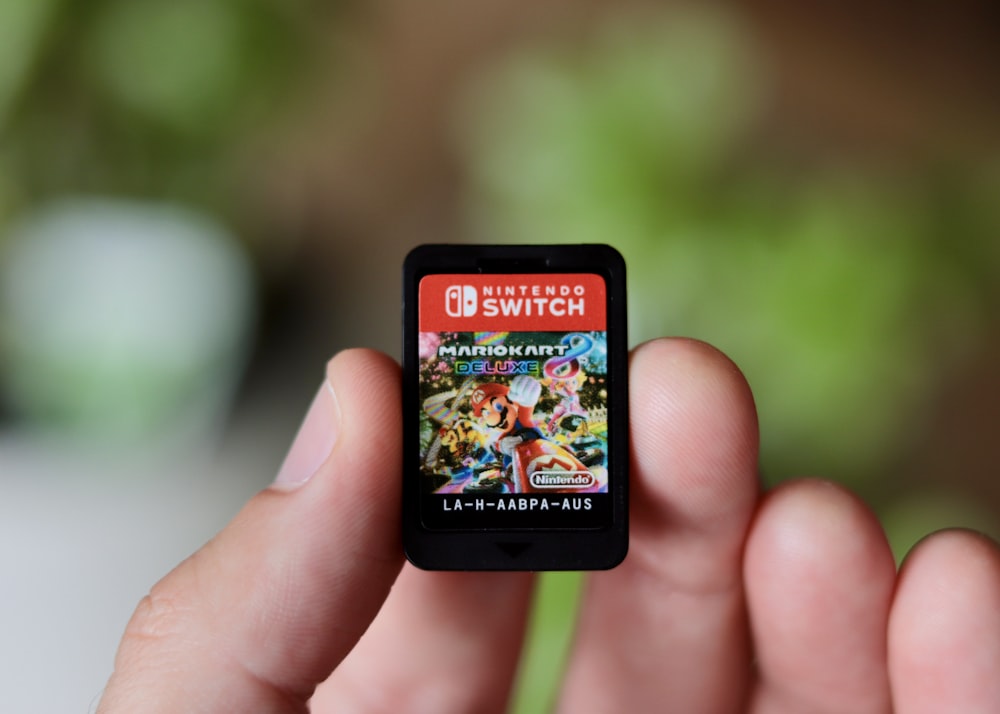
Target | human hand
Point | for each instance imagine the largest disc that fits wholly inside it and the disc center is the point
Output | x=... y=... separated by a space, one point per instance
x=729 y=601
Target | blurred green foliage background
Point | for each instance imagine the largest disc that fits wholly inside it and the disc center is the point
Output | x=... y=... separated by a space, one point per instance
x=816 y=192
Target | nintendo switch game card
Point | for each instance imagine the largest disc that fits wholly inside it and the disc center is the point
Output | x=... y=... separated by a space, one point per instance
x=515 y=407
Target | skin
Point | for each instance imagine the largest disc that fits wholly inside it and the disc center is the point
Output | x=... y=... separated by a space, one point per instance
x=730 y=600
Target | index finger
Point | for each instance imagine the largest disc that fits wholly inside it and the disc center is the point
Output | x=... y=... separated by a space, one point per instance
x=667 y=628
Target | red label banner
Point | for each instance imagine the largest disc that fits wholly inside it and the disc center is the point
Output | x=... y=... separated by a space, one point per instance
x=549 y=302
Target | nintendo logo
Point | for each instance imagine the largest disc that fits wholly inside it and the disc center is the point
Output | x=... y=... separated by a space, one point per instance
x=460 y=301
x=562 y=479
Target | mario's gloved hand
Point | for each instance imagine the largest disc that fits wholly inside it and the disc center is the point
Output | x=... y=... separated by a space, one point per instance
x=525 y=390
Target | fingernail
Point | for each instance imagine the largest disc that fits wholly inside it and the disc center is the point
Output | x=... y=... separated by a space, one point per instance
x=314 y=442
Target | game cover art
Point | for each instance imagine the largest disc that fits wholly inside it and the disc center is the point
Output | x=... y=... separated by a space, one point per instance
x=513 y=413
x=513 y=422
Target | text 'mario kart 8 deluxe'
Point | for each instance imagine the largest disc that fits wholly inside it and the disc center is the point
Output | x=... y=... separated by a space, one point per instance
x=515 y=408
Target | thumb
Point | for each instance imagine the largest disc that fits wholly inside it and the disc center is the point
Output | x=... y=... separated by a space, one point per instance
x=267 y=609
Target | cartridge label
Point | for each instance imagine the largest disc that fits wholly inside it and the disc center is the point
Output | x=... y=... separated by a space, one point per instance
x=514 y=400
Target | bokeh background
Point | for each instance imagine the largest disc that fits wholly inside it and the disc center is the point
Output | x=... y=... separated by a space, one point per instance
x=202 y=201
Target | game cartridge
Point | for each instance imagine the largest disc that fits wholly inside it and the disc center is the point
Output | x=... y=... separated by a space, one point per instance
x=515 y=407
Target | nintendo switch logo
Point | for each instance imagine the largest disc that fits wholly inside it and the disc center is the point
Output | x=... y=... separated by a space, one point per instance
x=460 y=301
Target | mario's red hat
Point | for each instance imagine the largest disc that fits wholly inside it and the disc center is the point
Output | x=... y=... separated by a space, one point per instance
x=485 y=392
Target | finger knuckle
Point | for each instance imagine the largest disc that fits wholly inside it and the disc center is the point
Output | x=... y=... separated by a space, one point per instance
x=159 y=615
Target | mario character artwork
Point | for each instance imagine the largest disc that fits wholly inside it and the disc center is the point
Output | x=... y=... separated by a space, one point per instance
x=535 y=463
x=509 y=410
x=511 y=413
